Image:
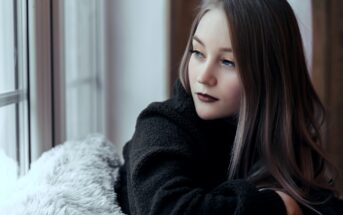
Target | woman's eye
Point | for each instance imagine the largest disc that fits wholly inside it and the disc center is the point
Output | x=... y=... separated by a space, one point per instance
x=197 y=53
x=228 y=63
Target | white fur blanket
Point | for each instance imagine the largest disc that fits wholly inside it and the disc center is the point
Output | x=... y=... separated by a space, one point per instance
x=71 y=179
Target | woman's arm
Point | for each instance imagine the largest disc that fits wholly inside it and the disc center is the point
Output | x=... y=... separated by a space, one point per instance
x=330 y=205
x=161 y=179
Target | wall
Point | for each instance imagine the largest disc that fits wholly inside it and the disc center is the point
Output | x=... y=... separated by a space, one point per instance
x=328 y=75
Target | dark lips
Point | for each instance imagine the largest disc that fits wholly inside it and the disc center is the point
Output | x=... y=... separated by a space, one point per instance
x=206 y=98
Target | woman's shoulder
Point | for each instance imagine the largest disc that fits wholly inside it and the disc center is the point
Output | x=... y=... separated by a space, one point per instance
x=160 y=129
x=166 y=119
x=179 y=110
x=169 y=109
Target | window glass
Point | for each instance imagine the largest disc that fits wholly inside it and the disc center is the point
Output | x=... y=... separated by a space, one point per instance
x=7 y=50
x=8 y=148
x=83 y=93
x=8 y=129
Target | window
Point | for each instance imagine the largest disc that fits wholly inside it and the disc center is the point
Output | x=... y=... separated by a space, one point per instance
x=111 y=62
x=78 y=69
x=14 y=150
x=83 y=68
x=70 y=68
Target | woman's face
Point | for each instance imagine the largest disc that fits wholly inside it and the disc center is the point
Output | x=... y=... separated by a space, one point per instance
x=213 y=73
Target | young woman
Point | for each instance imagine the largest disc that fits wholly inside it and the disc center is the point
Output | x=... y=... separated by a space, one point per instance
x=241 y=133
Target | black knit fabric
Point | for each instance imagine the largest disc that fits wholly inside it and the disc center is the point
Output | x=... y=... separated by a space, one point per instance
x=177 y=163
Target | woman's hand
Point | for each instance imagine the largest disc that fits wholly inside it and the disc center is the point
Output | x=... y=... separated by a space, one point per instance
x=291 y=205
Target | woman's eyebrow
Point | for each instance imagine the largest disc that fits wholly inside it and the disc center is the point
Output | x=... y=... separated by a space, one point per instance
x=199 y=41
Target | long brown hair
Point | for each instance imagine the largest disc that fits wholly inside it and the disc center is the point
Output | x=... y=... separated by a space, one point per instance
x=278 y=142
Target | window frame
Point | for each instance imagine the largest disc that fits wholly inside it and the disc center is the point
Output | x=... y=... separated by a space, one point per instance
x=19 y=96
x=23 y=129
x=40 y=77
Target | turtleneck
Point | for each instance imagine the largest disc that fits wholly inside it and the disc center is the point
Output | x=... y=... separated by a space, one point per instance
x=176 y=163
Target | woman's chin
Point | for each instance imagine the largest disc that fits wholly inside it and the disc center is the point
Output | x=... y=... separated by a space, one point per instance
x=207 y=115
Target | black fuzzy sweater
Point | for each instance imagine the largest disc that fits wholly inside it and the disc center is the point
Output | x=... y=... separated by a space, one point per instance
x=177 y=163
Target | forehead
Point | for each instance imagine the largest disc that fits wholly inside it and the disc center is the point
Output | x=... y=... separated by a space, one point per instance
x=214 y=27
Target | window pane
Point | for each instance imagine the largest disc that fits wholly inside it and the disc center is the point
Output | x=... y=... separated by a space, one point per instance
x=8 y=139
x=82 y=39
x=81 y=111
x=7 y=46
x=8 y=149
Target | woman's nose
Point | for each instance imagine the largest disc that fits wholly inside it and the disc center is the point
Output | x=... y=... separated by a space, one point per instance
x=207 y=76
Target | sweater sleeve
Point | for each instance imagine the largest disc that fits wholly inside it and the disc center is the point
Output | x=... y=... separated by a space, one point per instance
x=161 y=178
x=330 y=205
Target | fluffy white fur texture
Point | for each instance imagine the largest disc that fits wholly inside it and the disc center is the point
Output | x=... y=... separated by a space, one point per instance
x=74 y=178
